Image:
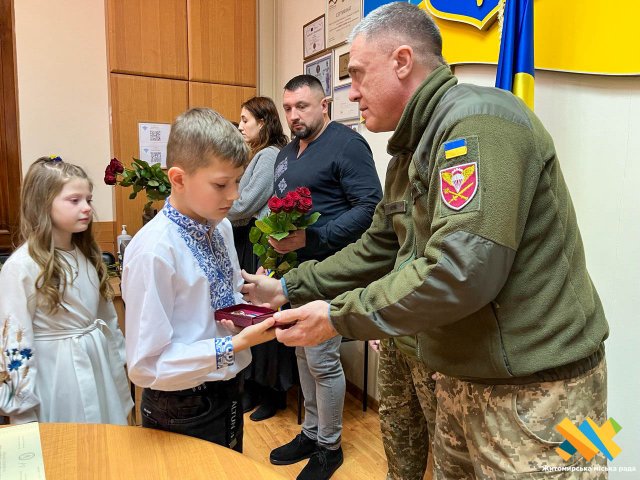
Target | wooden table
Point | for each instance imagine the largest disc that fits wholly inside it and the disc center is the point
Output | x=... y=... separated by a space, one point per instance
x=88 y=451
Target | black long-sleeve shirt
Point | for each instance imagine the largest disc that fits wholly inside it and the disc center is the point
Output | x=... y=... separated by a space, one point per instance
x=338 y=168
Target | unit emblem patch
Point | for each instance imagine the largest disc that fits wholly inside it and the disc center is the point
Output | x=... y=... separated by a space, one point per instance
x=459 y=184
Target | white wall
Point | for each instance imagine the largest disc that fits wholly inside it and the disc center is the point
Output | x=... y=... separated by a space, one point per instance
x=595 y=123
x=62 y=77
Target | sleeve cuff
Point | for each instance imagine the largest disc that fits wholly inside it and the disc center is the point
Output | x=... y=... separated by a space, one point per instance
x=284 y=288
x=224 y=352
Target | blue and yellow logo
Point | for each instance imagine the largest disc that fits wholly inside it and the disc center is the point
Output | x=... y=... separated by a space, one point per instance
x=588 y=439
x=479 y=13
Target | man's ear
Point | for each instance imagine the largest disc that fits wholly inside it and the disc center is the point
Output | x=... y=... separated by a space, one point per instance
x=176 y=177
x=403 y=59
x=325 y=105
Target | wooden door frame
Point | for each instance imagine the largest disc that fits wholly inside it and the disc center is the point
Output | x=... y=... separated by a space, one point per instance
x=9 y=140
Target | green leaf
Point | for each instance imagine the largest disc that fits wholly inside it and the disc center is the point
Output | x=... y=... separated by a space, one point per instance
x=263 y=226
x=283 y=268
x=153 y=183
x=279 y=236
x=269 y=263
x=137 y=187
x=258 y=249
x=291 y=257
x=254 y=235
x=162 y=188
x=133 y=195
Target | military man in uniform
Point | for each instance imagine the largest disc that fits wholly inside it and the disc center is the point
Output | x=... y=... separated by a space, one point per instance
x=475 y=248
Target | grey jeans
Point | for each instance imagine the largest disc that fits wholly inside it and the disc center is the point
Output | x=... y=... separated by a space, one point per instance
x=323 y=386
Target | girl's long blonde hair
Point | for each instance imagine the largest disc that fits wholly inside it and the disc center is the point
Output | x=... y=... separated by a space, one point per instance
x=44 y=181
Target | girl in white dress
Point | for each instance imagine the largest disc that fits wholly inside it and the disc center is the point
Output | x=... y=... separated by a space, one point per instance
x=62 y=357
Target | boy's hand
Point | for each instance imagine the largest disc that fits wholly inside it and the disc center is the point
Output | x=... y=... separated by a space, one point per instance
x=232 y=327
x=261 y=289
x=312 y=325
x=291 y=242
x=253 y=335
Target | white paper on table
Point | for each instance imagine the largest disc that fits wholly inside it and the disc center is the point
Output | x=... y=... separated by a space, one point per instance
x=21 y=452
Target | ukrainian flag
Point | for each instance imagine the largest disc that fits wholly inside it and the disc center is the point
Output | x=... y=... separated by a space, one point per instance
x=515 y=65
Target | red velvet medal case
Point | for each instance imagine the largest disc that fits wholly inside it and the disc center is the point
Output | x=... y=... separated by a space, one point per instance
x=244 y=314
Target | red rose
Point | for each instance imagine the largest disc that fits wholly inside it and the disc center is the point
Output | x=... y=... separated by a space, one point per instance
x=288 y=204
x=304 y=205
x=303 y=192
x=295 y=196
x=116 y=166
x=109 y=177
x=275 y=204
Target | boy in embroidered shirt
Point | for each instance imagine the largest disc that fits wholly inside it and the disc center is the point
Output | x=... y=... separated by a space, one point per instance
x=178 y=270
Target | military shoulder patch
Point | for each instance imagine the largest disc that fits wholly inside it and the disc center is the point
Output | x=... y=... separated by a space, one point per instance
x=455 y=148
x=459 y=184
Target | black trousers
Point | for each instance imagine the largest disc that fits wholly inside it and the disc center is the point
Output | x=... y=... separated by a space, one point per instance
x=211 y=411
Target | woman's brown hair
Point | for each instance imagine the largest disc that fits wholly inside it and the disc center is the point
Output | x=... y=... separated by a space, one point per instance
x=264 y=110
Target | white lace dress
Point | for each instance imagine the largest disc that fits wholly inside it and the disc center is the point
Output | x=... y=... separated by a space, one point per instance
x=62 y=367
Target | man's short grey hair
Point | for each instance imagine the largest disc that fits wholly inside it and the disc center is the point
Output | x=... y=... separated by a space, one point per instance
x=200 y=134
x=401 y=23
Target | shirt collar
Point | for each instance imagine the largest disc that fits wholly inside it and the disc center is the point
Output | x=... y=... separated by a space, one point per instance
x=188 y=224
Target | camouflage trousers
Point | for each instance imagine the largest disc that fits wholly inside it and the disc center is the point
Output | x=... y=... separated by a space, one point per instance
x=507 y=431
x=407 y=412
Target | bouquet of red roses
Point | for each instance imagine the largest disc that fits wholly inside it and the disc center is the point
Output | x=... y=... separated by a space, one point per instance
x=287 y=215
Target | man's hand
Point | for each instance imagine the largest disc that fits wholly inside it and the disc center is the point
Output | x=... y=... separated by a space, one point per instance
x=261 y=289
x=293 y=241
x=312 y=325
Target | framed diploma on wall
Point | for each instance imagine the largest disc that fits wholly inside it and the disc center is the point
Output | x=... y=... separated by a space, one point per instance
x=322 y=69
x=313 y=37
x=342 y=16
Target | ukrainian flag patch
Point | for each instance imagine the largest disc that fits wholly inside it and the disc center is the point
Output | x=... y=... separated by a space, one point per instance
x=455 y=148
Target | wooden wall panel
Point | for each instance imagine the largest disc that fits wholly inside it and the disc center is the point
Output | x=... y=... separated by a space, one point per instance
x=134 y=100
x=10 y=168
x=225 y=99
x=222 y=41
x=105 y=234
x=148 y=37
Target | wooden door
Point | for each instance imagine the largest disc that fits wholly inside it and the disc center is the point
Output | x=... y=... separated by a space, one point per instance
x=10 y=171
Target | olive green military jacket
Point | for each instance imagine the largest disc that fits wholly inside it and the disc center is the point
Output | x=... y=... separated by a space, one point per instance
x=475 y=246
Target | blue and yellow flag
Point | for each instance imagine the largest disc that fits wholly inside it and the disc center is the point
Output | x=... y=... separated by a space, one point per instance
x=515 y=65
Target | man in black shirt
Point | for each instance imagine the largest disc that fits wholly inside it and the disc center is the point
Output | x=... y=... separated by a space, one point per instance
x=336 y=164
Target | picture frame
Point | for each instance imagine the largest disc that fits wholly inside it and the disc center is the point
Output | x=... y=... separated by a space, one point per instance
x=313 y=37
x=343 y=66
x=341 y=17
x=321 y=68
x=343 y=109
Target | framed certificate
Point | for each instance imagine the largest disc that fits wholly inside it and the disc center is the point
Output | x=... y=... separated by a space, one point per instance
x=322 y=69
x=342 y=16
x=313 y=37
x=343 y=109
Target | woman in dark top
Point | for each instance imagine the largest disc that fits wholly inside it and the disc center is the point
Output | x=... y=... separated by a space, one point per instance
x=273 y=368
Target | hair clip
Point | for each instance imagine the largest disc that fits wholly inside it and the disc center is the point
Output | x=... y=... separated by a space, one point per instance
x=55 y=158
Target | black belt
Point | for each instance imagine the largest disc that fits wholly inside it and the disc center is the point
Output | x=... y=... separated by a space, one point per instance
x=206 y=388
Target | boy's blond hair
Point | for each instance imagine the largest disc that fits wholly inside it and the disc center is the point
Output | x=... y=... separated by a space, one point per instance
x=200 y=134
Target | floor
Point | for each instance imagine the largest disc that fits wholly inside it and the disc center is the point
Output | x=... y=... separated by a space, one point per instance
x=361 y=443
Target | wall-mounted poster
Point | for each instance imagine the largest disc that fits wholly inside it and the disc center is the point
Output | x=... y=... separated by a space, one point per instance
x=342 y=16
x=322 y=68
x=313 y=37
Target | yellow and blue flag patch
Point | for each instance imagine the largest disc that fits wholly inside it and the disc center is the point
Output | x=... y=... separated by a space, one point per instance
x=455 y=148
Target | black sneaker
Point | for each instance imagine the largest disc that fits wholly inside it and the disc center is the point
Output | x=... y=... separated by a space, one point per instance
x=264 y=411
x=322 y=464
x=297 y=449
